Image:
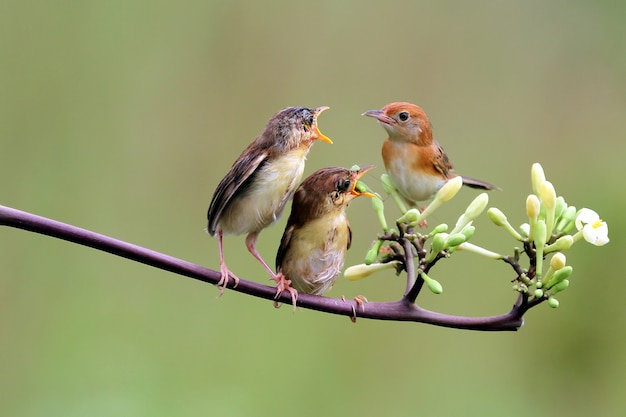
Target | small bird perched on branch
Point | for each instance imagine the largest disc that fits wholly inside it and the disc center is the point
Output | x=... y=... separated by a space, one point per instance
x=255 y=190
x=317 y=236
x=416 y=163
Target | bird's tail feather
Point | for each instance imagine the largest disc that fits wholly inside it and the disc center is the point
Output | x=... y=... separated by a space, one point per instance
x=474 y=183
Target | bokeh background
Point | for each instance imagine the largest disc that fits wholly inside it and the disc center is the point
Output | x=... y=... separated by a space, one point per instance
x=122 y=117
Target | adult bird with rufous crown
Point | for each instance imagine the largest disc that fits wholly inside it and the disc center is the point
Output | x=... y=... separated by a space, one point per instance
x=255 y=190
x=415 y=161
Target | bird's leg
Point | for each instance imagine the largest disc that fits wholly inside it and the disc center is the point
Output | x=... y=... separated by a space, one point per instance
x=250 y=244
x=283 y=284
x=224 y=271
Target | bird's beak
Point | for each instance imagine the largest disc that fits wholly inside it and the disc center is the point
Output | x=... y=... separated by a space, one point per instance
x=317 y=134
x=357 y=175
x=380 y=116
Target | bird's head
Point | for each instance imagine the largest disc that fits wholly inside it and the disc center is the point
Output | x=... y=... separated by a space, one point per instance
x=293 y=127
x=404 y=122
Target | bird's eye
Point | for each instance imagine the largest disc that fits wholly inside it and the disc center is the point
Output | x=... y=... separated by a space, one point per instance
x=344 y=186
x=403 y=116
x=308 y=120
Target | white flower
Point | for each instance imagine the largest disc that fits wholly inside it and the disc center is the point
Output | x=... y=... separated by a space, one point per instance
x=593 y=229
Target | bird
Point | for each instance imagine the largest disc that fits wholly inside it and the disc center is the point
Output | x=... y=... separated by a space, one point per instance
x=415 y=161
x=264 y=177
x=317 y=235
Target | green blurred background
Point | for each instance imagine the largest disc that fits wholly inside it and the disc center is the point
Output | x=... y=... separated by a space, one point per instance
x=122 y=117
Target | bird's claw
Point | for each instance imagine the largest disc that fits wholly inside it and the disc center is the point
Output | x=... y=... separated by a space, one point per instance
x=222 y=284
x=359 y=301
x=283 y=284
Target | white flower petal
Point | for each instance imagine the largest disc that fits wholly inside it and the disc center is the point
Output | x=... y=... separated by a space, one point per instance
x=586 y=216
x=596 y=233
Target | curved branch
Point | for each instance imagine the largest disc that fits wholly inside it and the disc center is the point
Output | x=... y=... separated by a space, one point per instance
x=399 y=310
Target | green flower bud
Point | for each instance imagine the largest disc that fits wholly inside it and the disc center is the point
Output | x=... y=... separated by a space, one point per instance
x=561 y=286
x=372 y=254
x=538 y=293
x=497 y=217
x=379 y=209
x=468 y=232
x=561 y=205
x=410 y=216
x=553 y=302
x=470 y=247
x=558 y=276
x=525 y=229
x=438 y=229
x=455 y=240
x=437 y=245
x=562 y=243
x=567 y=220
x=537 y=176
x=434 y=286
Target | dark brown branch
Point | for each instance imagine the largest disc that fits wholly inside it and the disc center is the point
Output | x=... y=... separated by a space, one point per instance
x=399 y=310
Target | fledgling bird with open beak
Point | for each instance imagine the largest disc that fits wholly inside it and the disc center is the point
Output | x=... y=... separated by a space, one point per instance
x=317 y=236
x=261 y=181
x=416 y=163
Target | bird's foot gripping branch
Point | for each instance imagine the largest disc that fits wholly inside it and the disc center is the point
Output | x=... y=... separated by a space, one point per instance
x=538 y=260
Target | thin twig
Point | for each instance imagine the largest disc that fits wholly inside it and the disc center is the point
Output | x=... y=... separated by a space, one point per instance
x=398 y=310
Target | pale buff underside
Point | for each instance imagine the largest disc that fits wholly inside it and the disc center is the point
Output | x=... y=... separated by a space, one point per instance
x=266 y=197
x=412 y=186
x=316 y=254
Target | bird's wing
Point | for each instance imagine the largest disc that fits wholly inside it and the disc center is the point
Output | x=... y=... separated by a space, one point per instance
x=441 y=162
x=349 y=236
x=284 y=244
x=237 y=179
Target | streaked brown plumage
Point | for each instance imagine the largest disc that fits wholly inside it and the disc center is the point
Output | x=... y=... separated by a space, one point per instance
x=416 y=163
x=261 y=181
x=317 y=236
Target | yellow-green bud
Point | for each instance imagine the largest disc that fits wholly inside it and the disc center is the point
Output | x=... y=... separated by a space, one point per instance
x=562 y=243
x=361 y=271
x=477 y=206
x=538 y=293
x=455 y=239
x=497 y=217
x=371 y=254
x=553 y=302
x=468 y=232
x=561 y=205
x=355 y=167
x=559 y=276
x=411 y=215
x=561 y=286
x=567 y=220
x=434 y=286
x=449 y=189
x=533 y=206
x=558 y=261
x=537 y=176
x=524 y=229
x=437 y=245
x=438 y=229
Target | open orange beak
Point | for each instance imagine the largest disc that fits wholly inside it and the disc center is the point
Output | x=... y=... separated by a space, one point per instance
x=357 y=175
x=317 y=134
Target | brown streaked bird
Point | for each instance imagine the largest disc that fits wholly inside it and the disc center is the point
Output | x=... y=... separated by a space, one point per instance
x=317 y=236
x=416 y=163
x=261 y=181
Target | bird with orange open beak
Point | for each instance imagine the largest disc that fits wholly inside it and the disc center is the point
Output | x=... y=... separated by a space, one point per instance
x=416 y=163
x=317 y=236
x=254 y=192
